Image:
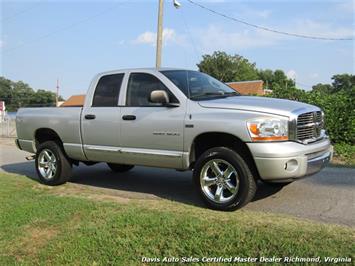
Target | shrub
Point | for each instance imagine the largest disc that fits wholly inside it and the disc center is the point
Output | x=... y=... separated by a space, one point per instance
x=345 y=152
x=339 y=114
x=338 y=109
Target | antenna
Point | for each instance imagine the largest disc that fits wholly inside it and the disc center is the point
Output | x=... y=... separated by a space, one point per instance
x=57 y=94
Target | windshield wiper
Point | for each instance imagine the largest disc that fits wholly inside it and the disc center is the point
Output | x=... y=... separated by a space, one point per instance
x=232 y=93
x=218 y=94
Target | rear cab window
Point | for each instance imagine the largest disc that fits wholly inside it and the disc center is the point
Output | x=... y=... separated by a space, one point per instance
x=107 y=90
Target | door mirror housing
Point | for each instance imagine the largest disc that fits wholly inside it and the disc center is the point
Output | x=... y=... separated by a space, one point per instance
x=159 y=96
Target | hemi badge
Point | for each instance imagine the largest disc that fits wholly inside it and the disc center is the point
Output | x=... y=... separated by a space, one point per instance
x=189 y=125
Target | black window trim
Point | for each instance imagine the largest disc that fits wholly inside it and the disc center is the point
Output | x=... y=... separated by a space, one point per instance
x=160 y=106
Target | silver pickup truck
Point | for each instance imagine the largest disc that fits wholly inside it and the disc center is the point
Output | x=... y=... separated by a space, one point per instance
x=179 y=119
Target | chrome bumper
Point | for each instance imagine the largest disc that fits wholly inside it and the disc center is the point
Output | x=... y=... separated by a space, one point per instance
x=287 y=161
x=316 y=164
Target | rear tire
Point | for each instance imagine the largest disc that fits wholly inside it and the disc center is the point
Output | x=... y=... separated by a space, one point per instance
x=52 y=166
x=223 y=179
x=120 y=168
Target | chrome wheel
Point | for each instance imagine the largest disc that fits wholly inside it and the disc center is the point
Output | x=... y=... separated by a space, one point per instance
x=219 y=180
x=47 y=164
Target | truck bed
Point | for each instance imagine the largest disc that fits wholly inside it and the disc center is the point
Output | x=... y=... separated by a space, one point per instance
x=64 y=121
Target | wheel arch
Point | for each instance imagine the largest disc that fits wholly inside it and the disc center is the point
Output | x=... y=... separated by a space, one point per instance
x=46 y=134
x=207 y=140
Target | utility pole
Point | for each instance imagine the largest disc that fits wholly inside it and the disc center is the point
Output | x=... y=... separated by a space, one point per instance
x=159 y=34
x=57 y=94
x=160 y=30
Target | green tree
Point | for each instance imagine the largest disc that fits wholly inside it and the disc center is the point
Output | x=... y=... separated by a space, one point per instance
x=339 y=114
x=22 y=94
x=290 y=93
x=42 y=97
x=5 y=90
x=266 y=75
x=275 y=79
x=322 y=88
x=19 y=94
x=338 y=109
x=228 y=68
x=343 y=82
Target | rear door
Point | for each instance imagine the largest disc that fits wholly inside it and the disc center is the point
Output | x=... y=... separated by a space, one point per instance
x=101 y=120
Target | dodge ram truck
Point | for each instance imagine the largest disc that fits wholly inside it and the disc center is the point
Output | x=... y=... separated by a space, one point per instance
x=179 y=119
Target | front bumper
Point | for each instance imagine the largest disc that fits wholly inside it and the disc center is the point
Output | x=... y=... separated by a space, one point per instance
x=287 y=161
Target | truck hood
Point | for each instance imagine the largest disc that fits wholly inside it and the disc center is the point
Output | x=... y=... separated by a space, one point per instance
x=259 y=104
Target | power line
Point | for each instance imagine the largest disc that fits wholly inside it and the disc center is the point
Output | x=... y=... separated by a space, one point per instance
x=22 y=11
x=269 y=29
x=187 y=30
x=66 y=27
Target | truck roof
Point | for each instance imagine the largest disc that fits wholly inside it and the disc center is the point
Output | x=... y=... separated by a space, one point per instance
x=140 y=69
x=78 y=100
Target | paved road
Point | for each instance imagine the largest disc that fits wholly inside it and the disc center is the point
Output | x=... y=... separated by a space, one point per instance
x=328 y=196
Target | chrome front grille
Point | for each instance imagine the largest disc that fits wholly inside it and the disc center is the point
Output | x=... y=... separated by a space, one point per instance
x=309 y=126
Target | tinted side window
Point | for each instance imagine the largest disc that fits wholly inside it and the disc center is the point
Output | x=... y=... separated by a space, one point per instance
x=179 y=78
x=140 y=85
x=107 y=91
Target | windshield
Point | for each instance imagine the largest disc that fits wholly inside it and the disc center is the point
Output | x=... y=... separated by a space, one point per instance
x=199 y=86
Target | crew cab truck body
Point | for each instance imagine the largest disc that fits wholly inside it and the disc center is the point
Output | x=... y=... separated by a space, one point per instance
x=183 y=120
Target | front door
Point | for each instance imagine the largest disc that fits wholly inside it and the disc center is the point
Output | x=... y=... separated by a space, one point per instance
x=151 y=134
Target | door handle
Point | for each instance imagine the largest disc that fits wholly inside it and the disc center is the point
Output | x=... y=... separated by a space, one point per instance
x=90 y=117
x=129 y=117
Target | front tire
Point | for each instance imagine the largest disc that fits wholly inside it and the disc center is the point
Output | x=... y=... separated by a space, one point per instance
x=52 y=166
x=277 y=184
x=120 y=168
x=223 y=179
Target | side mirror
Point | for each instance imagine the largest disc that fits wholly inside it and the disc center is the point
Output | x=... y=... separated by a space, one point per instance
x=162 y=97
x=159 y=96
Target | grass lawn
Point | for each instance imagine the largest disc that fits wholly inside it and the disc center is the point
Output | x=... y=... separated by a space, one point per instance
x=58 y=225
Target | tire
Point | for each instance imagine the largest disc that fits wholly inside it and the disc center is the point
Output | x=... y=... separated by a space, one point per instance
x=120 y=168
x=235 y=183
x=52 y=166
x=277 y=184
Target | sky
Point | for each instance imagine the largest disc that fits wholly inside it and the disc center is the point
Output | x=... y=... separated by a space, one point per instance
x=42 y=41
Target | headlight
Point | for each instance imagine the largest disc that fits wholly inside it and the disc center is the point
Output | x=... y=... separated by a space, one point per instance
x=268 y=129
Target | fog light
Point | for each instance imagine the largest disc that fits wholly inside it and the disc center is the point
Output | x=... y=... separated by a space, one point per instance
x=291 y=165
